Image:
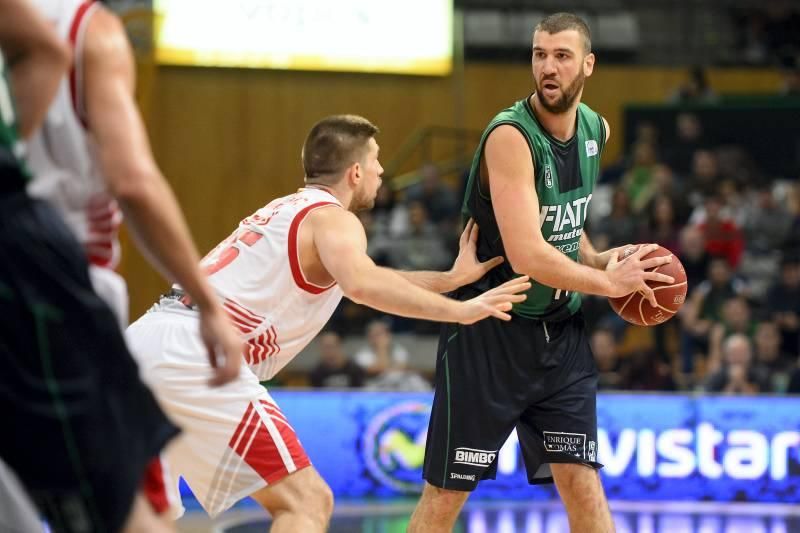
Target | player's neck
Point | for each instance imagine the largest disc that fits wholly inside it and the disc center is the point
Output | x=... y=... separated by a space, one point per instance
x=561 y=125
x=343 y=197
x=321 y=187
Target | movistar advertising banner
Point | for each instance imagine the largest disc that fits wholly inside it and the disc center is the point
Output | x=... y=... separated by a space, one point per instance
x=659 y=447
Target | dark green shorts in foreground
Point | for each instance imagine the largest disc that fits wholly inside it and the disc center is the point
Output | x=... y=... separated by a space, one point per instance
x=79 y=425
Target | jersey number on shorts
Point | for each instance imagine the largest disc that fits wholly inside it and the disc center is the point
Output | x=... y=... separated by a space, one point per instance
x=230 y=252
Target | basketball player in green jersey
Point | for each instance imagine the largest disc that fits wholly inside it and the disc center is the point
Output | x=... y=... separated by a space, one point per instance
x=529 y=189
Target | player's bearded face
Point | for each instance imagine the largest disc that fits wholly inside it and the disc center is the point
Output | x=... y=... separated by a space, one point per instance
x=363 y=199
x=367 y=190
x=557 y=98
x=561 y=63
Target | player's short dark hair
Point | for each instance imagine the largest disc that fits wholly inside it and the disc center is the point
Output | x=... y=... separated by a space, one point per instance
x=335 y=143
x=558 y=22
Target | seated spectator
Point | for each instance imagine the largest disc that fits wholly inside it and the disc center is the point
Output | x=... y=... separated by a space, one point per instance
x=694 y=89
x=704 y=176
x=783 y=304
x=390 y=216
x=378 y=239
x=645 y=371
x=689 y=139
x=422 y=247
x=765 y=222
x=399 y=381
x=619 y=227
x=775 y=365
x=661 y=226
x=386 y=362
x=722 y=236
x=735 y=319
x=381 y=353
x=737 y=375
x=666 y=184
x=606 y=356
x=335 y=369
x=638 y=180
x=693 y=255
x=438 y=197
x=703 y=308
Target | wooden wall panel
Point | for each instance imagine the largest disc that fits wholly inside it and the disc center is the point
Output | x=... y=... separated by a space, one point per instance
x=229 y=140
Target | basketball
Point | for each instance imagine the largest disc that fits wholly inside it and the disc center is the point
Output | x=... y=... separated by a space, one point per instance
x=637 y=310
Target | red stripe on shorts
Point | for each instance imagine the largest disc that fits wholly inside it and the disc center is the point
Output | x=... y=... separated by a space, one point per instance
x=253 y=442
x=154 y=486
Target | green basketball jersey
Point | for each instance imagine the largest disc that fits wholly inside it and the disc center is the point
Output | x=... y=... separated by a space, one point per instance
x=13 y=175
x=566 y=173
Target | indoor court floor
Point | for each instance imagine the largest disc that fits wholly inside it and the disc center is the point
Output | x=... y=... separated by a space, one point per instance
x=534 y=517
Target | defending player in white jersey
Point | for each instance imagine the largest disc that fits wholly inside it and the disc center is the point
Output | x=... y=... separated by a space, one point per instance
x=92 y=153
x=280 y=276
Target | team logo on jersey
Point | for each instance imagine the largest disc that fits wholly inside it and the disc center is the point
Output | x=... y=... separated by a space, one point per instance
x=548 y=177
x=591 y=148
x=394 y=446
x=567 y=219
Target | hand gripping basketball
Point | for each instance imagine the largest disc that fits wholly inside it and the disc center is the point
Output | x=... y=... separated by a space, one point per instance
x=635 y=307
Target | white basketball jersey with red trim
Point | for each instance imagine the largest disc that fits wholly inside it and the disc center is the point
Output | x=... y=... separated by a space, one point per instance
x=61 y=154
x=257 y=273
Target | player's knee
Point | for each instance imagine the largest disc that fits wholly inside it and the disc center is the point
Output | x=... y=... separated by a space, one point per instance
x=316 y=502
x=445 y=498
x=307 y=495
x=579 y=481
x=325 y=502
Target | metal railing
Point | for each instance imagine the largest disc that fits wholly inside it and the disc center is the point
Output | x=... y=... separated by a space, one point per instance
x=419 y=149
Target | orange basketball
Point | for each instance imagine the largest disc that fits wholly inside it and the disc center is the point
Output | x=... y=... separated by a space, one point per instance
x=637 y=310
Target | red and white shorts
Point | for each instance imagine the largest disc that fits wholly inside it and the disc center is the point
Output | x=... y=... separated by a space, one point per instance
x=235 y=440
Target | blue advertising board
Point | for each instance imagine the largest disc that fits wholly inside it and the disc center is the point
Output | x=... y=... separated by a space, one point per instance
x=654 y=447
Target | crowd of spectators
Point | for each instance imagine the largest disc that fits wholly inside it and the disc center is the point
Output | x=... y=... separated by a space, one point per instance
x=735 y=231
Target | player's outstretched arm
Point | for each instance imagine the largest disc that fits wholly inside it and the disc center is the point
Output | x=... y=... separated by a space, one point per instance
x=466 y=268
x=37 y=60
x=153 y=214
x=342 y=246
x=511 y=183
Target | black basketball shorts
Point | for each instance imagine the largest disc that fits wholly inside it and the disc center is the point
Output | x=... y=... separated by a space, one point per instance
x=494 y=376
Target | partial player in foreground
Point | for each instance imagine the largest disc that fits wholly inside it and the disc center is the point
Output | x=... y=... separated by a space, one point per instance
x=82 y=424
x=280 y=275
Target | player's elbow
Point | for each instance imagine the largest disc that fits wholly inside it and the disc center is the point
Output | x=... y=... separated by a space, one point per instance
x=132 y=184
x=520 y=261
x=357 y=287
x=356 y=292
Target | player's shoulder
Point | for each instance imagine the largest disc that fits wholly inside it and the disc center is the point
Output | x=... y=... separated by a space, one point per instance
x=584 y=108
x=506 y=143
x=594 y=121
x=513 y=114
x=332 y=213
x=105 y=35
